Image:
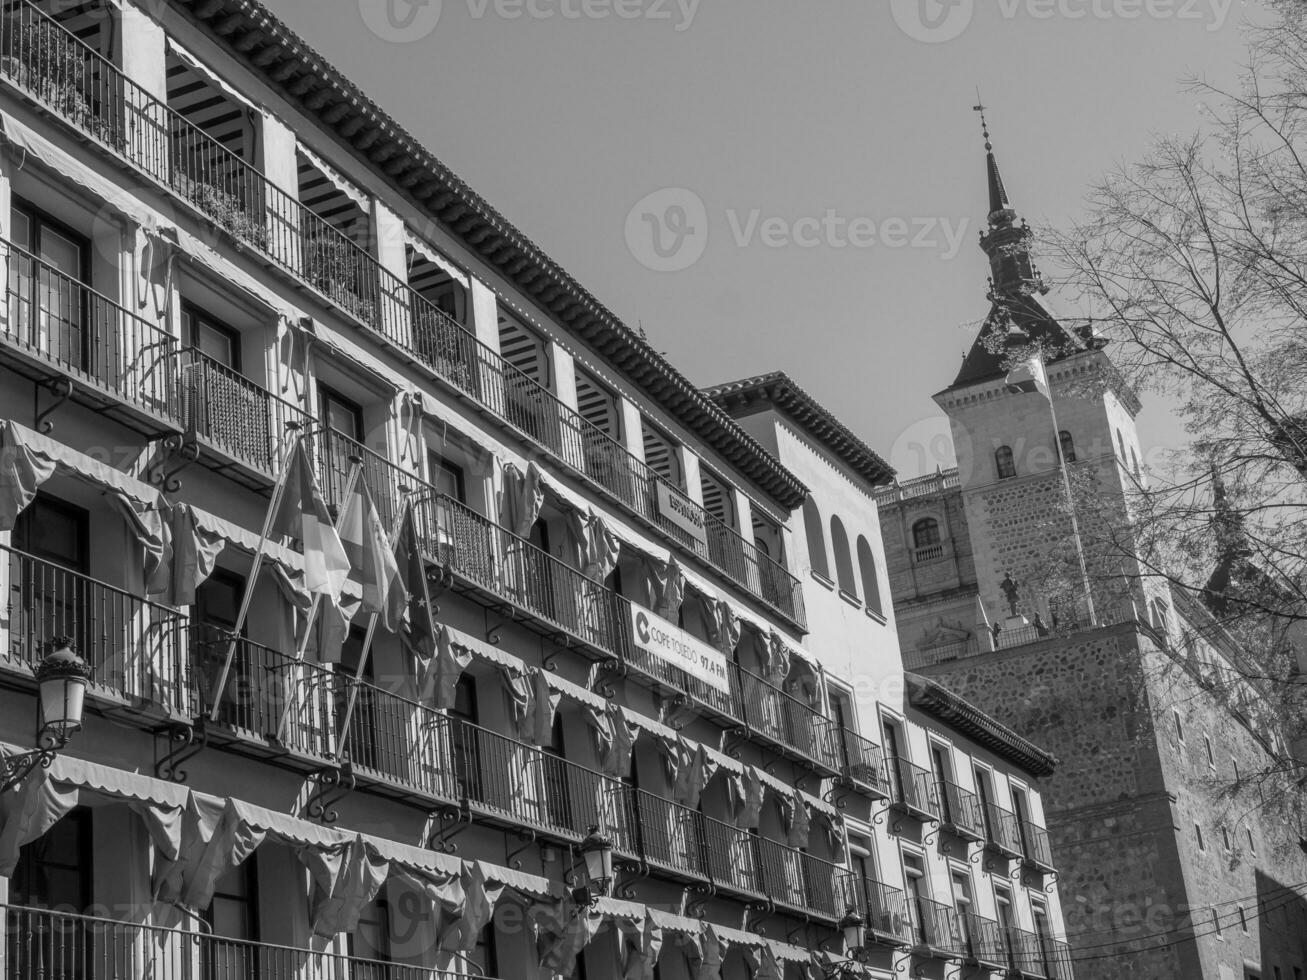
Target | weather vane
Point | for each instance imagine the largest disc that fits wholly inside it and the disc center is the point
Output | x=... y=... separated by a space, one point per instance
x=984 y=125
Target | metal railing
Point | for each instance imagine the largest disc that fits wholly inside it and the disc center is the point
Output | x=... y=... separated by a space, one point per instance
x=912 y=787
x=1025 y=952
x=226 y=411
x=983 y=938
x=960 y=809
x=916 y=658
x=787 y=720
x=134 y=647
x=862 y=761
x=41 y=944
x=1002 y=829
x=1057 y=959
x=58 y=69
x=936 y=927
x=56 y=318
x=1036 y=845
x=883 y=908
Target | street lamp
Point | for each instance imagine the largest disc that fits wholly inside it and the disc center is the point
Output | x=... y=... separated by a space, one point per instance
x=856 y=954
x=597 y=853
x=61 y=693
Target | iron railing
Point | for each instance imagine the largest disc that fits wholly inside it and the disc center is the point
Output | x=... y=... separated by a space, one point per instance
x=787 y=720
x=862 y=761
x=983 y=939
x=41 y=944
x=1036 y=845
x=883 y=908
x=58 y=69
x=1057 y=959
x=960 y=809
x=912 y=788
x=133 y=646
x=1025 y=952
x=55 y=318
x=937 y=927
x=1002 y=830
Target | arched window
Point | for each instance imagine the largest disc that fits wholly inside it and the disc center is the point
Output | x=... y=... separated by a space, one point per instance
x=1007 y=467
x=839 y=541
x=1068 y=446
x=1120 y=444
x=812 y=526
x=1134 y=462
x=925 y=533
x=870 y=583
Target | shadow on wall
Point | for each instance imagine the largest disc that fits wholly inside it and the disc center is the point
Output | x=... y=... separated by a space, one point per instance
x=1281 y=913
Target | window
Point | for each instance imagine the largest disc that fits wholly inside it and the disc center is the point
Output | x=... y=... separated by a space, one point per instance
x=1211 y=759
x=925 y=533
x=843 y=560
x=914 y=881
x=1243 y=919
x=892 y=756
x=210 y=337
x=44 y=300
x=1134 y=462
x=1198 y=835
x=813 y=529
x=1004 y=462
x=1252 y=843
x=1225 y=838
x=1216 y=924
x=1068 y=446
x=447 y=477
x=1179 y=727
x=717 y=499
x=870 y=581
x=525 y=350
x=598 y=406
x=1003 y=904
x=54 y=871
x=660 y=454
x=1120 y=444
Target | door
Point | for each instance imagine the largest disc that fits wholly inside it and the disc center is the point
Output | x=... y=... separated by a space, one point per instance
x=362 y=744
x=892 y=760
x=213 y=617
x=46 y=294
x=233 y=921
x=51 y=554
x=369 y=944
x=940 y=772
x=341 y=417
x=53 y=872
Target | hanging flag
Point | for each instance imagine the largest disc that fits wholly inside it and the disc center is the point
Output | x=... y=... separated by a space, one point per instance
x=418 y=629
x=302 y=514
x=368 y=546
x=1029 y=376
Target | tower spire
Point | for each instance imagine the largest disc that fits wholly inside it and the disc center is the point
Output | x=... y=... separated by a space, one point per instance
x=998 y=201
x=1006 y=242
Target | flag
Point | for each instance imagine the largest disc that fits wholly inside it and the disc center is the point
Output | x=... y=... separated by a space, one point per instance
x=418 y=630
x=302 y=514
x=369 y=549
x=1030 y=375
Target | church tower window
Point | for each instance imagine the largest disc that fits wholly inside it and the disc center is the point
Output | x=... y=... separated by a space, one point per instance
x=1003 y=460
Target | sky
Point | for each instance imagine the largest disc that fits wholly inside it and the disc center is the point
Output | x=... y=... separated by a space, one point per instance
x=787 y=184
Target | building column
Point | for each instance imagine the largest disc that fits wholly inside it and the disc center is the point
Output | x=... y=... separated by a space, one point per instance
x=632 y=428
x=278 y=161
x=562 y=368
x=145 y=51
x=689 y=466
x=392 y=254
x=485 y=314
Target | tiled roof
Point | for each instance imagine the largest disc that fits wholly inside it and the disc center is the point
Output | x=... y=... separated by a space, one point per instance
x=256 y=38
x=778 y=389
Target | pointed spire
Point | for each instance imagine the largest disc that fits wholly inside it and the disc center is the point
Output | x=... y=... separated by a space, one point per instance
x=998 y=200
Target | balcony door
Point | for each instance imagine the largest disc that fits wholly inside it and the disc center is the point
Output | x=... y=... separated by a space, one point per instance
x=914 y=880
x=213 y=618
x=369 y=944
x=51 y=597
x=340 y=417
x=940 y=771
x=221 y=405
x=233 y=921
x=45 y=293
x=362 y=743
x=893 y=760
x=53 y=872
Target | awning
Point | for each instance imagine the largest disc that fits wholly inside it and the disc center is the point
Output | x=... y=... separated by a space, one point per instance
x=336 y=178
x=210 y=76
x=345 y=880
x=616 y=908
x=738 y=938
x=680 y=924
x=417 y=858
x=520 y=881
x=434 y=256
x=195 y=250
x=28 y=459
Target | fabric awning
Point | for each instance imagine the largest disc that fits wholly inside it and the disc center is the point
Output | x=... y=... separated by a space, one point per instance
x=616 y=908
x=417 y=858
x=680 y=924
x=210 y=76
x=520 y=881
x=434 y=256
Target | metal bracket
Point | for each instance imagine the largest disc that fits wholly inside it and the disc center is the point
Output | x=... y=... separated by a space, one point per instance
x=453 y=821
x=187 y=452
x=1051 y=887
x=738 y=737
x=638 y=870
x=439 y=581
x=698 y=908
x=187 y=742
x=793 y=934
x=493 y=632
x=878 y=816
x=837 y=796
x=766 y=909
x=333 y=785
x=931 y=835
x=602 y=687
x=527 y=837
x=63 y=389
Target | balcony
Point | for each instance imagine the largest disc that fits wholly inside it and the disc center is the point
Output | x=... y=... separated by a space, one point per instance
x=1002 y=831
x=983 y=939
x=960 y=811
x=912 y=789
x=59 y=328
x=45 y=945
x=862 y=763
x=884 y=909
x=1037 y=849
x=53 y=67
x=1038 y=957
x=930 y=552
x=796 y=728
x=936 y=929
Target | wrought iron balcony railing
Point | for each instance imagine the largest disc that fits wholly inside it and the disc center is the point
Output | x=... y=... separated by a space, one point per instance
x=56 y=68
x=56 y=320
x=787 y=720
x=1002 y=830
x=862 y=762
x=883 y=908
x=912 y=788
x=936 y=927
x=41 y=944
x=1057 y=959
x=984 y=939
x=960 y=810
x=1037 y=848
x=1026 y=953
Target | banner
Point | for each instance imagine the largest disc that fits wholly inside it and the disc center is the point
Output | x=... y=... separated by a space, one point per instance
x=677 y=648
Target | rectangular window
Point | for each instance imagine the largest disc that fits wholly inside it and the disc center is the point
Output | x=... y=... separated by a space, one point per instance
x=211 y=337
x=1225 y=838
x=1198 y=834
x=1211 y=759
x=1243 y=919
x=447 y=477
x=1252 y=844
x=1179 y=727
x=526 y=350
x=1216 y=924
x=717 y=499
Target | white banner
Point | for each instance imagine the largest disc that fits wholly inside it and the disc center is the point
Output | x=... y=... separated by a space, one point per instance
x=677 y=648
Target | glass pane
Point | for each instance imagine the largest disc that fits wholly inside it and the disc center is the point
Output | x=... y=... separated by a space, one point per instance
x=216 y=343
x=22 y=229
x=60 y=252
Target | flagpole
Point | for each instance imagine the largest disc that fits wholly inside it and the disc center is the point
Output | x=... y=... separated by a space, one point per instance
x=278 y=491
x=1071 y=503
x=367 y=648
x=303 y=646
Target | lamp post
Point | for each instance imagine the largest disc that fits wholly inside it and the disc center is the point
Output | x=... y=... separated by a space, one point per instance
x=61 y=693
x=854 y=928
x=597 y=854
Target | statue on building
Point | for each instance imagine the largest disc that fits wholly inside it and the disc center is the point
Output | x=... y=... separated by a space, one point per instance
x=1010 y=592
